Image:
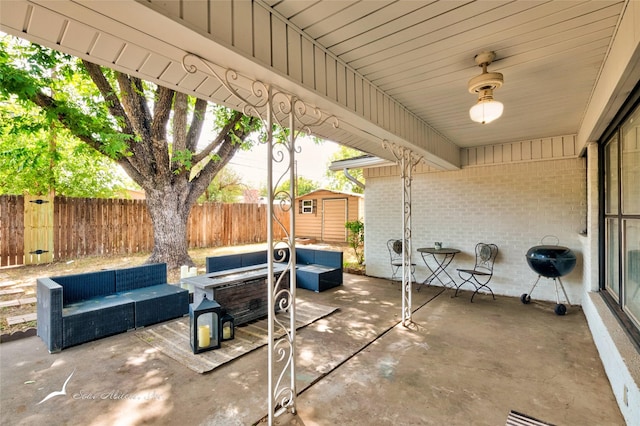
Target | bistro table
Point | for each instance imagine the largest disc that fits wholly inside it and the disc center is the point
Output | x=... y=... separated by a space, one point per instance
x=442 y=257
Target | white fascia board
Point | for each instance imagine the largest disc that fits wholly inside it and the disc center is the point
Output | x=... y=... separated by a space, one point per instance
x=359 y=163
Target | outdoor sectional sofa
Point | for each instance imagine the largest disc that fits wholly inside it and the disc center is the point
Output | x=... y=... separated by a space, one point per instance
x=75 y=309
x=316 y=270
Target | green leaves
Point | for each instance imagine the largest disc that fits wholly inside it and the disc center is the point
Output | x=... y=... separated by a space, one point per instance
x=46 y=157
x=337 y=180
x=36 y=152
x=182 y=160
x=226 y=187
x=303 y=186
x=33 y=76
x=356 y=238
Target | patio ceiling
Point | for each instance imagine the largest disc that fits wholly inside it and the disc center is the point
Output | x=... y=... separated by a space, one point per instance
x=395 y=70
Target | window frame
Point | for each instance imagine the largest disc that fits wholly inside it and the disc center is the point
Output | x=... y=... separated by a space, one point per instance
x=616 y=302
x=308 y=206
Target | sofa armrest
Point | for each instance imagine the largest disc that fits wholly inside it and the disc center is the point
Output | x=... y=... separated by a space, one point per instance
x=49 y=313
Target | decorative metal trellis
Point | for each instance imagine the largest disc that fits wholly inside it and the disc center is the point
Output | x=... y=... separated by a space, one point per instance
x=407 y=160
x=284 y=117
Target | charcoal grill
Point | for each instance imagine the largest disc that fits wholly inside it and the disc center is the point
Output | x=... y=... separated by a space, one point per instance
x=550 y=261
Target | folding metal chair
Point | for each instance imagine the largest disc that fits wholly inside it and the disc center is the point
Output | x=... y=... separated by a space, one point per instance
x=482 y=271
x=395 y=254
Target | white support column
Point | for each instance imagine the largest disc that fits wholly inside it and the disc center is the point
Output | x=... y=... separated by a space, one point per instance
x=407 y=161
x=288 y=116
x=282 y=291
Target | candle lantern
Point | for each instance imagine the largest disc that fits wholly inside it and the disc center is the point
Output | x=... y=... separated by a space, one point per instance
x=204 y=322
x=227 y=324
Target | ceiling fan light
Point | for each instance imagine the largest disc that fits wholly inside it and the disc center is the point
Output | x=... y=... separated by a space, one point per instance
x=486 y=110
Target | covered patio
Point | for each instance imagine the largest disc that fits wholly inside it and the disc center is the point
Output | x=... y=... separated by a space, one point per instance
x=463 y=363
x=392 y=79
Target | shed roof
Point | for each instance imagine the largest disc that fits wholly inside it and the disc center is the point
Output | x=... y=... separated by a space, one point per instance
x=332 y=191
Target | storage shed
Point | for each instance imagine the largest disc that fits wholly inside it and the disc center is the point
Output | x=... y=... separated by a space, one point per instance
x=322 y=214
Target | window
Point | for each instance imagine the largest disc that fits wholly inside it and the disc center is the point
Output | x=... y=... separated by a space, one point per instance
x=307 y=206
x=620 y=278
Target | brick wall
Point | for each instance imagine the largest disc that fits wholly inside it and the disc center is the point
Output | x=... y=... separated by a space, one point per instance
x=512 y=205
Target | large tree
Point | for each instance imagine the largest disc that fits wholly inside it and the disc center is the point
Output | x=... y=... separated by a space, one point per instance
x=47 y=158
x=152 y=132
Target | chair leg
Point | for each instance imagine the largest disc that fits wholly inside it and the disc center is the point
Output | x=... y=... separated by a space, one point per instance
x=394 y=272
x=478 y=287
x=468 y=280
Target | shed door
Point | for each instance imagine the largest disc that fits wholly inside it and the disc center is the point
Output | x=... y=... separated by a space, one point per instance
x=334 y=216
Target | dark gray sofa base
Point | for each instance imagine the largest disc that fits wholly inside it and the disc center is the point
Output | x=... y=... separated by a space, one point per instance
x=318 y=277
x=158 y=303
x=318 y=270
x=93 y=319
x=79 y=308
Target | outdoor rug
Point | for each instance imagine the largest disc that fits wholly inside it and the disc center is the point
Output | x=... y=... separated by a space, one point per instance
x=172 y=338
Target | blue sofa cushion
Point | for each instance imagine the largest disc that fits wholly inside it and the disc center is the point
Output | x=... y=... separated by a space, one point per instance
x=140 y=276
x=78 y=287
x=97 y=303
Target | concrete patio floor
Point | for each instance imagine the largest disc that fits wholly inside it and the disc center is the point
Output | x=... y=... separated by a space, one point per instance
x=461 y=364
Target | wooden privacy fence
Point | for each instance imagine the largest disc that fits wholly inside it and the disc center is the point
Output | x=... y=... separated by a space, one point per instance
x=91 y=226
x=11 y=230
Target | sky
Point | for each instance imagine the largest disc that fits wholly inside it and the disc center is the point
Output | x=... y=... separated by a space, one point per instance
x=312 y=162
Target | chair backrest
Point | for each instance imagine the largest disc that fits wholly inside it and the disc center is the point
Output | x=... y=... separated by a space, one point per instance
x=395 y=249
x=485 y=257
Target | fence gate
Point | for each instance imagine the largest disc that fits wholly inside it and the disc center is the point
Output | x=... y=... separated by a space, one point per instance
x=38 y=229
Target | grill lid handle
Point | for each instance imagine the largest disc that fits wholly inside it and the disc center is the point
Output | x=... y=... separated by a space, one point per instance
x=550 y=236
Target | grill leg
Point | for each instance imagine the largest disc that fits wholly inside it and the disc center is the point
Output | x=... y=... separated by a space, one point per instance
x=563 y=291
x=534 y=285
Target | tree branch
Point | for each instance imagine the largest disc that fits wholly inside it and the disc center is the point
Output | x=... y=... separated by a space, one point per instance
x=180 y=109
x=132 y=164
x=111 y=99
x=197 y=121
x=228 y=147
x=200 y=183
x=161 y=112
x=135 y=104
x=220 y=139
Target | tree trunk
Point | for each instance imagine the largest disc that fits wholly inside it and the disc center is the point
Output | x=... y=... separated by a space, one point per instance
x=169 y=213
